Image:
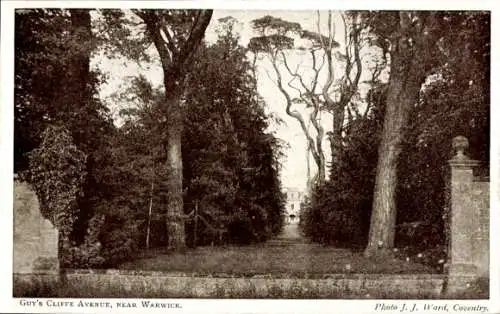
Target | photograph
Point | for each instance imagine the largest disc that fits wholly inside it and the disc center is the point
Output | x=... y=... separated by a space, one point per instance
x=173 y=154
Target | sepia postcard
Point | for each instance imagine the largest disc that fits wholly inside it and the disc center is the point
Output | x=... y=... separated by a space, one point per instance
x=249 y=157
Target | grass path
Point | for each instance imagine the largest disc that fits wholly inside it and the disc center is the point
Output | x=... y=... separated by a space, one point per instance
x=288 y=254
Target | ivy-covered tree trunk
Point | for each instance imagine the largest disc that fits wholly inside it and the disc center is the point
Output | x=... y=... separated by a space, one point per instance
x=57 y=172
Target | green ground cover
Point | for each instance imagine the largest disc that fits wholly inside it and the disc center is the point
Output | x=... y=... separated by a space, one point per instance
x=287 y=254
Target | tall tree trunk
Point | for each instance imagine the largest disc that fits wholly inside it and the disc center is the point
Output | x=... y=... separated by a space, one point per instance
x=80 y=63
x=407 y=76
x=174 y=202
x=319 y=148
x=383 y=219
x=175 y=61
x=413 y=48
x=148 y=229
x=77 y=93
x=336 y=139
x=308 y=170
x=74 y=95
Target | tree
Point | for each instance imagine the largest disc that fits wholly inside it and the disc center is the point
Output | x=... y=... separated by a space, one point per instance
x=339 y=212
x=56 y=88
x=176 y=35
x=317 y=92
x=458 y=98
x=230 y=165
x=57 y=173
x=347 y=86
x=53 y=81
x=231 y=168
x=453 y=100
x=413 y=41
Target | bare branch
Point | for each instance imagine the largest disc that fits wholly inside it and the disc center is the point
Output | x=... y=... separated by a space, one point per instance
x=270 y=78
x=316 y=70
x=295 y=74
x=330 y=78
x=293 y=113
x=319 y=28
x=349 y=86
x=331 y=29
x=295 y=88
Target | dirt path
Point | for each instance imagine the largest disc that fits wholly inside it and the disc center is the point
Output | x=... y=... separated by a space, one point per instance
x=291 y=232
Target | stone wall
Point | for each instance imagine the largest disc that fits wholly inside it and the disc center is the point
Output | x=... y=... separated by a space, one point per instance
x=481 y=238
x=469 y=221
x=35 y=238
x=150 y=284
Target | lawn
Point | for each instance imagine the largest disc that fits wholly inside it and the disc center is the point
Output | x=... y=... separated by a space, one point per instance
x=297 y=259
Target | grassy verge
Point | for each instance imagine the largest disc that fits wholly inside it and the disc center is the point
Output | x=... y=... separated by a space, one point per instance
x=300 y=259
x=434 y=257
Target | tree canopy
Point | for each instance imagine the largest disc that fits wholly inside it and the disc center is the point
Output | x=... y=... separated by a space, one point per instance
x=230 y=163
x=450 y=96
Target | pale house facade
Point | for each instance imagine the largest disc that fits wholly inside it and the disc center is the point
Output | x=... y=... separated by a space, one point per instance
x=294 y=198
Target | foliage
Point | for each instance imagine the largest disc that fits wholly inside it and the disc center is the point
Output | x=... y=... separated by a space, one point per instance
x=47 y=49
x=230 y=164
x=120 y=34
x=339 y=211
x=54 y=86
x=453 y=101
x=57 y=173
x=88 y=254
x=458 y=97
x=127 y=168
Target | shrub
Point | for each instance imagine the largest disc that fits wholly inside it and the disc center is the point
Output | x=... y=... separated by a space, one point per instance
x=339 y=211
x=88 y=254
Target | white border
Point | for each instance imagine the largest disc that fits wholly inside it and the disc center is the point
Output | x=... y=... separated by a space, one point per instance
x=8 y=304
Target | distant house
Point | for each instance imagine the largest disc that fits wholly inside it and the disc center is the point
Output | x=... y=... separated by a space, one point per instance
x=294 y=197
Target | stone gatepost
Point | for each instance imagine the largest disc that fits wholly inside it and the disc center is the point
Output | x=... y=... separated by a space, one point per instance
x=462 y=269
x=35 y=238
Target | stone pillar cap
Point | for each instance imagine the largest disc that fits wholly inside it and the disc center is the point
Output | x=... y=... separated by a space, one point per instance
x=460 y=144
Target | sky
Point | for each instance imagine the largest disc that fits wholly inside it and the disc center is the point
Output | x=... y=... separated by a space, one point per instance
x=294 y=165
